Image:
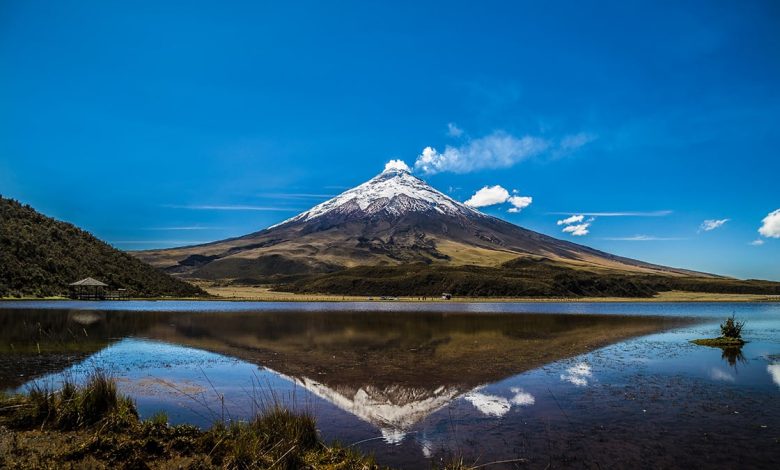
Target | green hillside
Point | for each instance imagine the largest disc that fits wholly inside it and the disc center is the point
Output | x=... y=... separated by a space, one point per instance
x=40 y=256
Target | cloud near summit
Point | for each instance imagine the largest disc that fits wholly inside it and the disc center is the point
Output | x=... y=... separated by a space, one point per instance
x=397 y=165
x=496 y=150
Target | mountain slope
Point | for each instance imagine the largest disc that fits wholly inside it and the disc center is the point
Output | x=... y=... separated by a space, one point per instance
x=41 y=256
x=393 y=219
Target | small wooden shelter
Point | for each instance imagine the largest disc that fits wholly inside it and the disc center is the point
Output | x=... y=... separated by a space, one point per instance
x=88 y=289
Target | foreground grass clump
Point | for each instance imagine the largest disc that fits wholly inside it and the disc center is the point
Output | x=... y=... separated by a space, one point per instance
x=730 y=335
x=93 y=426
x=68 y=408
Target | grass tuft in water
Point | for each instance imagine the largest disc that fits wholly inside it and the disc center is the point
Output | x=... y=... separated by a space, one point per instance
x=81 y=425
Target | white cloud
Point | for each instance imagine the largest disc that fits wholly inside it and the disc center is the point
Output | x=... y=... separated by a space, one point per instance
x=397 y=165
x=488 y=196
x=571 y=220
x=519 y=202
x=712 y=224
x=497 y=150
x=577 y=230
x=757 y=242
x=578 y=374
x=453 y=130
x=771 y=225
x=492 y=195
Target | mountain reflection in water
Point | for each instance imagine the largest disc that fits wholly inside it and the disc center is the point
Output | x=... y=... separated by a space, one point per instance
x=560 y=390
x=391 y=370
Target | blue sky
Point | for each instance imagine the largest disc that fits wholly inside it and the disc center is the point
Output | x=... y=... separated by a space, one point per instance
x=156 y=124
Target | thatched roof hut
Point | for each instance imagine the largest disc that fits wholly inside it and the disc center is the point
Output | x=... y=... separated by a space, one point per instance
x=88 y=289
x=88 y=281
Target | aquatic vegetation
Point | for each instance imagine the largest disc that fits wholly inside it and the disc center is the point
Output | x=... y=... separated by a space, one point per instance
x=93 y=425
x=730 y=335
x=732 y=328
x=719 y=342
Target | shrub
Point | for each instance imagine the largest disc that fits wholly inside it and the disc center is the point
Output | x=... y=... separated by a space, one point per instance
x=732 y=328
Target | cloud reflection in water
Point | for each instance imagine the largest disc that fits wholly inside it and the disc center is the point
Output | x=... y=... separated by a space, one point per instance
x=774 y=371
x=578 y=374
x=498 y=406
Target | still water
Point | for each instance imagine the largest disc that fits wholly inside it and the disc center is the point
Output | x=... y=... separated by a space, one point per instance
x=558 y=384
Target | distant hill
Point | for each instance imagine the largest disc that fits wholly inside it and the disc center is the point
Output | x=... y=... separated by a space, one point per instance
x=40 y=256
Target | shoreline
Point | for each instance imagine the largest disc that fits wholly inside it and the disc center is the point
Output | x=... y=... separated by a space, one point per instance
x=257 y=294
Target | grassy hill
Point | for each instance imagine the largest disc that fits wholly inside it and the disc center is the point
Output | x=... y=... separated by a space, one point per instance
x=522 y=277
x=40 y=256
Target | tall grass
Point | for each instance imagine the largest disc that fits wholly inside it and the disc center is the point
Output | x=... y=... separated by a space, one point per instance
x=69 y=408
x=277 y=437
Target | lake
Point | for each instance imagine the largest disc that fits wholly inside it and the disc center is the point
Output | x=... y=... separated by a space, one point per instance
x=556 y=384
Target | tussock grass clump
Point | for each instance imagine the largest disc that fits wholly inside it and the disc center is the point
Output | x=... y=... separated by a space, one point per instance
x=94 y=423
x=68 y=408
x=276 y=436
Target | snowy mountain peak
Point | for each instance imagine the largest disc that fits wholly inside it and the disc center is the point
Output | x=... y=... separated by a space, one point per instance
x=394 y=192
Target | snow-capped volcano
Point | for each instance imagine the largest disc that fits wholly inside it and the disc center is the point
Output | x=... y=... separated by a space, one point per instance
x=393 y=192
x=392 y=219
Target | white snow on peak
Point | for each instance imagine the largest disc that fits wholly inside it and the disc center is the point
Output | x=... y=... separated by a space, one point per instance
x=395 y=191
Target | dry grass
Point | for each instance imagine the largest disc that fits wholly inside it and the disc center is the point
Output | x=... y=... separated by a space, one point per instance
x=264 y=293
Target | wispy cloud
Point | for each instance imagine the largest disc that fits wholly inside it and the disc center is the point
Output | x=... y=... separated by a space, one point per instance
x=770 y=225
x=712 y=224
x=295 y=195
x=575 y=141
x=498 y=149
x=642 y=238
x=453 y=130
x=192 y=227
x=757 y=242
x=662 y=213
x=209 y=207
